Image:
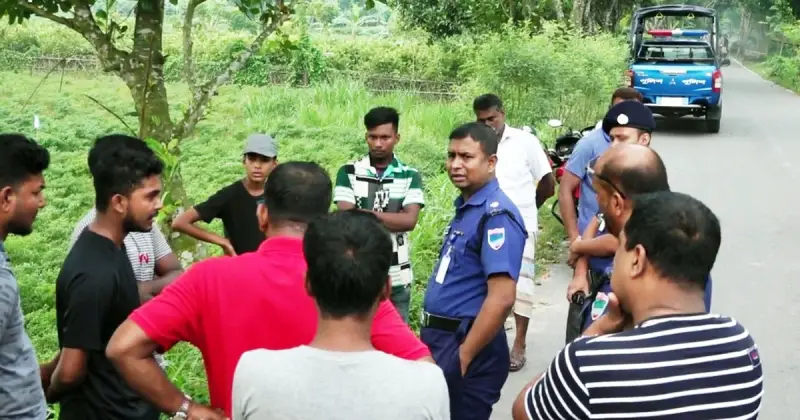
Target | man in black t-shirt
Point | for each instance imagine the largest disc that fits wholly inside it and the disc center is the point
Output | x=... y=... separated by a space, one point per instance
x=96 y=289
x=236 y=204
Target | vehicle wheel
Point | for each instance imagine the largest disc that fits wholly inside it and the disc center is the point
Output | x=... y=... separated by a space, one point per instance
x=712 y=126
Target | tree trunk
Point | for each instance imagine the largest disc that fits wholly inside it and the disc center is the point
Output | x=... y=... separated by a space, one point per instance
x=578 y=6
x=559 y=6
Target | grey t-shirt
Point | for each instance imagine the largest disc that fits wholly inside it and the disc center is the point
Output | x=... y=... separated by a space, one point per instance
x=308 y=383
x=21 y=394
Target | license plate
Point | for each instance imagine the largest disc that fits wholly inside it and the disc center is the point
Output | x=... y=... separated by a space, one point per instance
x=671 y=101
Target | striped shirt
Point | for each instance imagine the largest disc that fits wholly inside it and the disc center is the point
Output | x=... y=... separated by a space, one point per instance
x=143 y=248
x=400 y=185
x=697 y=366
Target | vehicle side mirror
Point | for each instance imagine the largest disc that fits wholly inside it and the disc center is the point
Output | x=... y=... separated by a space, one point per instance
x=726 y=62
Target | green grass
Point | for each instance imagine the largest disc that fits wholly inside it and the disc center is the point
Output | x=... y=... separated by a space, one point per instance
x=323 y=124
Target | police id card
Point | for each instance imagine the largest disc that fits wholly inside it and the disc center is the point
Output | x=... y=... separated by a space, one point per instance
x=444 y=264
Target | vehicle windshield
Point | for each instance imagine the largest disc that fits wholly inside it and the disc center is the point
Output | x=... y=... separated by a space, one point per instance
x=654 y=53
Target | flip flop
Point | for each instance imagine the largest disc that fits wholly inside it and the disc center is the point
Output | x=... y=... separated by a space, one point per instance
x=517 y=363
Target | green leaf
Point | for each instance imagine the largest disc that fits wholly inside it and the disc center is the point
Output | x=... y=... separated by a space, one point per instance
x=174 y=2
x=369 y=4
x=101 y=14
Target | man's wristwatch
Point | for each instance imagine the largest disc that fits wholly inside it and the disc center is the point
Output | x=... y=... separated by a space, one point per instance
x=183 y=411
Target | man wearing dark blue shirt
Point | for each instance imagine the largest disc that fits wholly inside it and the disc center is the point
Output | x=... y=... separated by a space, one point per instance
x=473 y=286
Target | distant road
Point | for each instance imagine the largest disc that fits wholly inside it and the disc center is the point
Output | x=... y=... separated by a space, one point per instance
x=749 y=174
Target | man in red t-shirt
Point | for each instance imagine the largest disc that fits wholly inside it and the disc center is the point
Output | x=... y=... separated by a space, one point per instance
x=229 y=305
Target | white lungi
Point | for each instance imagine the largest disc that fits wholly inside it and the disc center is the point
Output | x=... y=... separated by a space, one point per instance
x=523 y=306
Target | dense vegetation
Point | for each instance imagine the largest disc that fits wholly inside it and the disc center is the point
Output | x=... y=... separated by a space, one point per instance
x=329 y=81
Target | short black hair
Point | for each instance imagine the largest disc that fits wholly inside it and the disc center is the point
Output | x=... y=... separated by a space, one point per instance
x=680 y=234
x=627 y=94
x=481 y=133
x=380 y=116
x=298 y=192
x=486 y=102
x=20 y=158
x=349 y=254
x=645 y=175
x=111 y=140
x=119 y=165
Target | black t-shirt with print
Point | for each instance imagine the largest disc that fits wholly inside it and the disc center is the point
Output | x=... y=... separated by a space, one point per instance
x=96 y=290
x=236 y=207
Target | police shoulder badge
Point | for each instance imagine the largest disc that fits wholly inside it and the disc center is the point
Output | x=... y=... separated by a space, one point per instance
x=599 y=305
x=496 y=237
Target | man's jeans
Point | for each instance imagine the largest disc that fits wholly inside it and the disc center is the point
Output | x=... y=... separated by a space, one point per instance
x=401 y=299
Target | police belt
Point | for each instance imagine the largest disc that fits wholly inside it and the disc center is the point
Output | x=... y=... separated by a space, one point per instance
x=438 y=322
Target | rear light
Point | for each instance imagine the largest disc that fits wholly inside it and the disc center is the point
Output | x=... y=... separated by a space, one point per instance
x=629 y=78
x=716 y=80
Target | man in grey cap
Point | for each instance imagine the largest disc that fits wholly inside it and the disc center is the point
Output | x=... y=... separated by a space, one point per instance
x=236 y=203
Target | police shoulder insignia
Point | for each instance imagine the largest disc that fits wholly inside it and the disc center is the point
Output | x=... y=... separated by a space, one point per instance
x=496 y=237
x=494 y=204
x=599 y=305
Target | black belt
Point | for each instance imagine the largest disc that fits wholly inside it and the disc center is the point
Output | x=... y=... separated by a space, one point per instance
x=440 y=322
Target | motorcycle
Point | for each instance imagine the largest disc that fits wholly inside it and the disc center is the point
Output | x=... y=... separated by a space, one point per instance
x=560 y=154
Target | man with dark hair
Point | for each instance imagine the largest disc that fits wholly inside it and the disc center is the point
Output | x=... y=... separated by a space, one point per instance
x=390 y=189
x=226 y=306
x=472 y=289
x=236 y=203
x=349 y=254
x=622 y=172
x=525 y=175
x=621 y=123
x=679 y=362
x=154 y=264
x=22 y=163
x=97 y=288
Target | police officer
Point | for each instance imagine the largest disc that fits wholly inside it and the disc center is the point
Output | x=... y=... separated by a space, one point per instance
x=629 y=171
x=473 y=286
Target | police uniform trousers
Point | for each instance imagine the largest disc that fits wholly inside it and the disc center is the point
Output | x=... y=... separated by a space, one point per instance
x=472 y=395
x=576 y=314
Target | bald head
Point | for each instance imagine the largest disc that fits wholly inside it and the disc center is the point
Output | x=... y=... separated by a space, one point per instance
x=633 y=168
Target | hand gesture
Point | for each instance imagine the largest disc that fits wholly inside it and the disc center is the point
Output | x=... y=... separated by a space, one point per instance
x=614 y=320
x=201 y=412
x=578 y=283
x=227 y=248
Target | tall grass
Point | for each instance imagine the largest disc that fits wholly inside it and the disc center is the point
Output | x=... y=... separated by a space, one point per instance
x=323 y=124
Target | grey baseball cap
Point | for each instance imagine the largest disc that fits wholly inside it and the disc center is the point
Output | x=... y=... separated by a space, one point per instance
x=261 y=144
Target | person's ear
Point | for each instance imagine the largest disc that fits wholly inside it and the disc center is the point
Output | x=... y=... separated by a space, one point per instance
x=309 y=290
x=120 y=203
x=644 y=139
x=386 y=293
x=263 y=217
x=638 y=261
x=7 y=199
x=397 y=138
x=492 y=163
x=617 y=204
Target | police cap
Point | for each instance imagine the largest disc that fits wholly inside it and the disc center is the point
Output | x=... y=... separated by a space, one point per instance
x=629 y=114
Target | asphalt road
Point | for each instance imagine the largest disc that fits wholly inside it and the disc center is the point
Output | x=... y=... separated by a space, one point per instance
x=748 y=175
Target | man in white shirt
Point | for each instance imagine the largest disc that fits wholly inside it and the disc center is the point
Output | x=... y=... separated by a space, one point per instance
x=525 y=175
x=339 y=375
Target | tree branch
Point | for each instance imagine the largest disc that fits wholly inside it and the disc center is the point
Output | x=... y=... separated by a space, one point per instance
x=47 y=15
x=107 y=53
x=188 y=58
x=202 y=95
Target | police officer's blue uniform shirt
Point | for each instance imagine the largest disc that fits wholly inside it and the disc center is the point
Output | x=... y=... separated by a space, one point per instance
x=458 y=284
x=594 y=144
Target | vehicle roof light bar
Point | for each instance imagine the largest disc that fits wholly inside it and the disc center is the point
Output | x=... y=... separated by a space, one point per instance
x=678 y=32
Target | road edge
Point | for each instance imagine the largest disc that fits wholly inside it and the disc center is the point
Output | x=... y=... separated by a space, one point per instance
x=742 y=65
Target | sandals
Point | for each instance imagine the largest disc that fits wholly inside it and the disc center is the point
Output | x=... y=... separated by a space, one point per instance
x=517 y=363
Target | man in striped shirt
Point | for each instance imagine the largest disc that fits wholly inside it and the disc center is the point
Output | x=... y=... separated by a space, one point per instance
x=383 y=185
x=678 y=362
